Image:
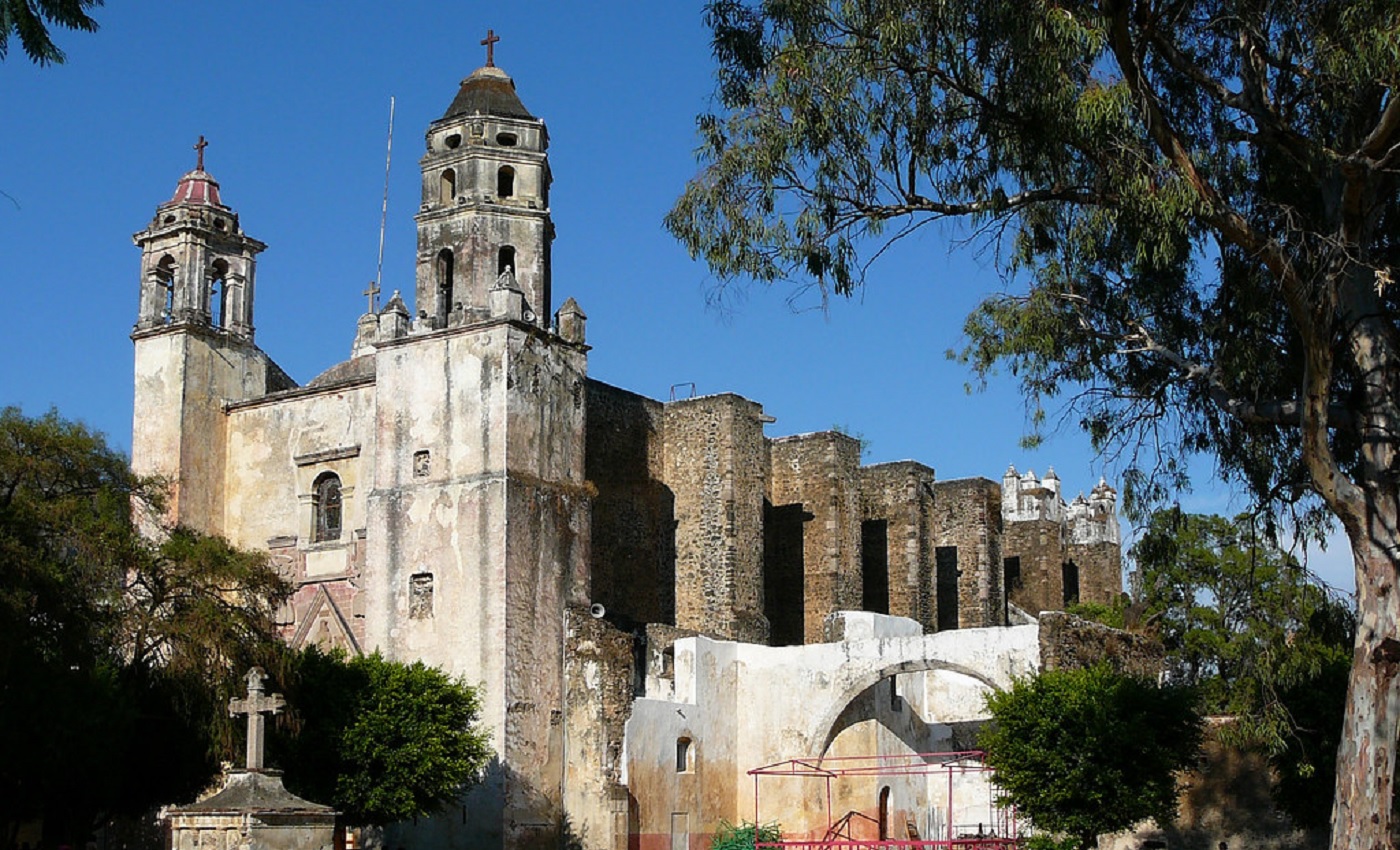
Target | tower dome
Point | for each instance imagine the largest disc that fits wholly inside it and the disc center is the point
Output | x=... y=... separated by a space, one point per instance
x=197 y=187
x=488 y=91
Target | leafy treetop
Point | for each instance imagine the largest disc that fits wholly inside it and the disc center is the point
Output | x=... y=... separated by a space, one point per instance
x=1088 y=751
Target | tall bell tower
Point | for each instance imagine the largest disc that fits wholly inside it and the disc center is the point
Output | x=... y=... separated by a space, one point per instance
x=478 y=523
x=484 y=221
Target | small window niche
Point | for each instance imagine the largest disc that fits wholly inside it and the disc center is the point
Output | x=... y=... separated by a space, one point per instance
x=422 y=463
x=506 y=140
x=453 y=141
x=447 y=186
x=505 y=182
x=420 y=596
x=505 y=259
x=685 y=755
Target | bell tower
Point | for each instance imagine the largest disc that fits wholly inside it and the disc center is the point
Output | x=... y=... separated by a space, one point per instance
x=196 y=262
x=479 y=500
x=194 y=345
x=484 y=222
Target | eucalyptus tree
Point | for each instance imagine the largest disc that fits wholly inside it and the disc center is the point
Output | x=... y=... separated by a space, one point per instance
x=1193 y=202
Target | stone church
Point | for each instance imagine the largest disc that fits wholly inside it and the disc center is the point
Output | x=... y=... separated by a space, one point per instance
x=460 y=491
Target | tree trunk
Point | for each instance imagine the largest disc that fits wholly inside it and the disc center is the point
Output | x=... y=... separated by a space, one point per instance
x=1366 y=757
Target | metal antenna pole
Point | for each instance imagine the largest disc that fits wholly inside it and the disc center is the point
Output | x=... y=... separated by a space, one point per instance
x=384 y=209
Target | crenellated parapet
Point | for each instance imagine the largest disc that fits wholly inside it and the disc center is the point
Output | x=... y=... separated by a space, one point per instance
x=1095 y=519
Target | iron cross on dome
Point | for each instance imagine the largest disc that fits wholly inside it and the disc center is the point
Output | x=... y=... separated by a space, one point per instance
x=490 y=42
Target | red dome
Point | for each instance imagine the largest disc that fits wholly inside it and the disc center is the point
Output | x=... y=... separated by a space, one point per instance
x=197 y=187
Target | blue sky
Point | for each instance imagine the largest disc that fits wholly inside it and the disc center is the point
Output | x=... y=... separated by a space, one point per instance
x=294 y=100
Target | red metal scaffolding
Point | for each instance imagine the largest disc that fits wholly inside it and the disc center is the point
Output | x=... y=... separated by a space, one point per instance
x=997 y=832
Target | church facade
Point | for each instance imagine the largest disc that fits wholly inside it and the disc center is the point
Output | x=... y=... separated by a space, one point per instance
x=460 y=491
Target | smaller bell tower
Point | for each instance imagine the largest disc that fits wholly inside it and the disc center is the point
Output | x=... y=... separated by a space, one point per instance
x=196 y=263
x=194 y=345
x=484 y=222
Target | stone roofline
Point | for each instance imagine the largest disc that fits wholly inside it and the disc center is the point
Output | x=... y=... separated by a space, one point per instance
x=300 y=392
x=908 y=462
x=970 y=479
x=807 y=435
x=615 y=387
x=486 y=324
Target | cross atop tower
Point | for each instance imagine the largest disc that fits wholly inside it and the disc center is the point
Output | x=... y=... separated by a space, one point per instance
x=199 y=147
x=490 y=42
x=255 y=705
x=371 y=293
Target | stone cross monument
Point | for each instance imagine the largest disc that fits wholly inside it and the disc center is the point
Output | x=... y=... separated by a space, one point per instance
x=253 y=811
x=255 y=705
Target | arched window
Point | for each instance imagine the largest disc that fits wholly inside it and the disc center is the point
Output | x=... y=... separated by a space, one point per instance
x=444 y=272
x=326 y=508
x=684 y=756
x=505 y=182
x=218 y=294
x=165 y=277
x=1070 y=576
x=447 y=186
x=505 y=259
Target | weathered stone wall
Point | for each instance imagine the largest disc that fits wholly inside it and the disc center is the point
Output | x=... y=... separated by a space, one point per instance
x=1068 y=642
x=1100 y=570
x=967 y=515
x=184 y=376
x=279 y=445
x=481 y=507
x=901 y=495
x=634 y=530
x=1039 y=544
x=818 y=472
x=600 y=679
x=716 y=464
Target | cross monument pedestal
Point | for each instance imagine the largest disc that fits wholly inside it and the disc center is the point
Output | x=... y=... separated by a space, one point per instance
x=253 y=811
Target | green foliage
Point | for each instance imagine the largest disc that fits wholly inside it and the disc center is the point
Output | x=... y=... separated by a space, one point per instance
x=31 y=19
x=382 y=741
x=1195 y=208
x=1134 y=164
x=115 y=650
x=1246 y=625
x=745 y=835
x=1113 y=614
x=1089 y=751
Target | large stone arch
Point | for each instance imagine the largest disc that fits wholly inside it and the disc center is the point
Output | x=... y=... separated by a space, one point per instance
x=852 y=683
